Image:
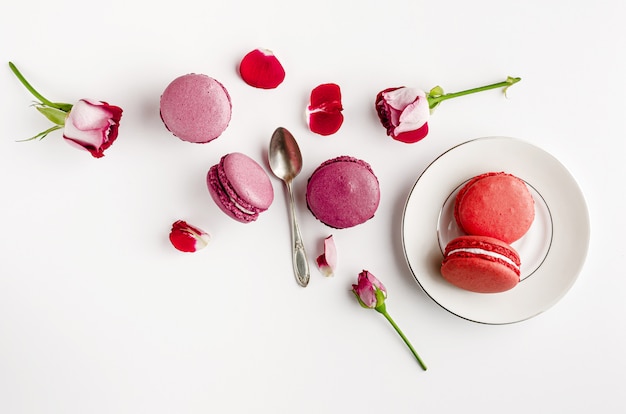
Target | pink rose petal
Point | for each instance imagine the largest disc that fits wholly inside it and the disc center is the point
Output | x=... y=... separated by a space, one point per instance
x=327 y=261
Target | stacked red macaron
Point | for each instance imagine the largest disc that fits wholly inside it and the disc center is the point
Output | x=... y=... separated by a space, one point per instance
x=493 y=209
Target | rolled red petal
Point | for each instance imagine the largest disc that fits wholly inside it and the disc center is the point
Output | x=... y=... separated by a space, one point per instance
x=325 y=117
x=188 y=238
x=261 y=69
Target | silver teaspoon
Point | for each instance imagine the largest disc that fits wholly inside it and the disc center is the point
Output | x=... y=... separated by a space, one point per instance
x=286 y=163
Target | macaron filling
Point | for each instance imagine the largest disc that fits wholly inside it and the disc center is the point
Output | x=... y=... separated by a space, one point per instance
x=477 y=251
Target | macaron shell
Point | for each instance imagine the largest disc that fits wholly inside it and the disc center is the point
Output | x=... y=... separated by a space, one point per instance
x=480 y=273
x=196 y=108
x=497 y=205
x=223 y=201
x=248 y=183
x=343 y=192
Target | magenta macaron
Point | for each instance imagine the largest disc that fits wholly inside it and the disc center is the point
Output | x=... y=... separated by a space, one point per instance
x=240 y=187
x=481 y=264
x=196 y=108
x=343 y=192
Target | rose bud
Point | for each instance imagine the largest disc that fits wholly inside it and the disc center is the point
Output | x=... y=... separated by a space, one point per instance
x=369 y=291
x=261 y=69
x=92 y=125
x=188 y=238
x=327 y=261
x=324 y=110
x=371 y=294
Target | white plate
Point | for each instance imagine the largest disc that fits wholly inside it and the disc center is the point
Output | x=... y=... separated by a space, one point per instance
x=552 y=252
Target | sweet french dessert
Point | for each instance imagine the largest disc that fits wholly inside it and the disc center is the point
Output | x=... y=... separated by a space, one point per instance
x=240 y=187
x=195 y=108
x=495 y=204
x=343 y=192
x=481 y=264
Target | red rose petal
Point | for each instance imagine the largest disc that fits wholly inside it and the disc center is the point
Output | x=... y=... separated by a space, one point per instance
x=188 y=238
x=411 y=137
x=325 y=117
x=261 y=69
x=325 y=94
x=325 y=123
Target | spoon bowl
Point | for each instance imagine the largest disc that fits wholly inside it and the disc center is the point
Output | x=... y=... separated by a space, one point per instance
x=285 y=161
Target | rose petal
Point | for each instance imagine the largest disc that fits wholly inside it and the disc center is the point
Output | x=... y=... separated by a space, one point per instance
x=261 y=69
x=188 y=238
x=327 y=261
x=411 y=137
x=324 y=110
x=323 y=123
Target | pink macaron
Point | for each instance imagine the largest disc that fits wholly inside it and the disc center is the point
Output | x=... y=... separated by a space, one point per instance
x=240 y=187
x=481 y=264
x=495 y=204
x=196 y=108
x=343 y=192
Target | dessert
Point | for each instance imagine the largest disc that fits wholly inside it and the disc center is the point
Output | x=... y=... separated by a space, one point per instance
x=240 y=187
x=195 y=108
x=495 y=204
x=481 y=264
x=343 y=192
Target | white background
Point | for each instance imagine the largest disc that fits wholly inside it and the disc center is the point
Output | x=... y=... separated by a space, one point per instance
x=100 y=314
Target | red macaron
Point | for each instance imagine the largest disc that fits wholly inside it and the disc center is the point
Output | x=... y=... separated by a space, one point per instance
x=240 y=187
x=481 y=264
x=343 y=192
x=495 y=204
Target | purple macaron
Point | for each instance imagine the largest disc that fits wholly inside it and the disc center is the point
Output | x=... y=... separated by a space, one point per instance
x=343 y=192
x=240 y=187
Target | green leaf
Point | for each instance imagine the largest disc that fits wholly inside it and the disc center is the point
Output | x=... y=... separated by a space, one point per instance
x=436 y=91
x=42 y=134
x=55 y=115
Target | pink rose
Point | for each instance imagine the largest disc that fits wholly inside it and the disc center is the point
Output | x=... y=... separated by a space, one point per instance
x=404 y=112
x=88 y=124
x=92 y=125
x=369 y=291
x=371 y=294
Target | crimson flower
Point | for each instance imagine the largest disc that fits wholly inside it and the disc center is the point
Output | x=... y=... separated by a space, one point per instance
x=88 y=124
x=371 y=294
x=404 y=112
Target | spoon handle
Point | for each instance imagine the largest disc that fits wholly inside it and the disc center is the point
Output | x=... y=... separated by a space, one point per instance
x=300 y=261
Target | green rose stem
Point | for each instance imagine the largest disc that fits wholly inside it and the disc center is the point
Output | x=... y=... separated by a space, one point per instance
x=436 y=95
x=45 y=102
x=382 y=309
